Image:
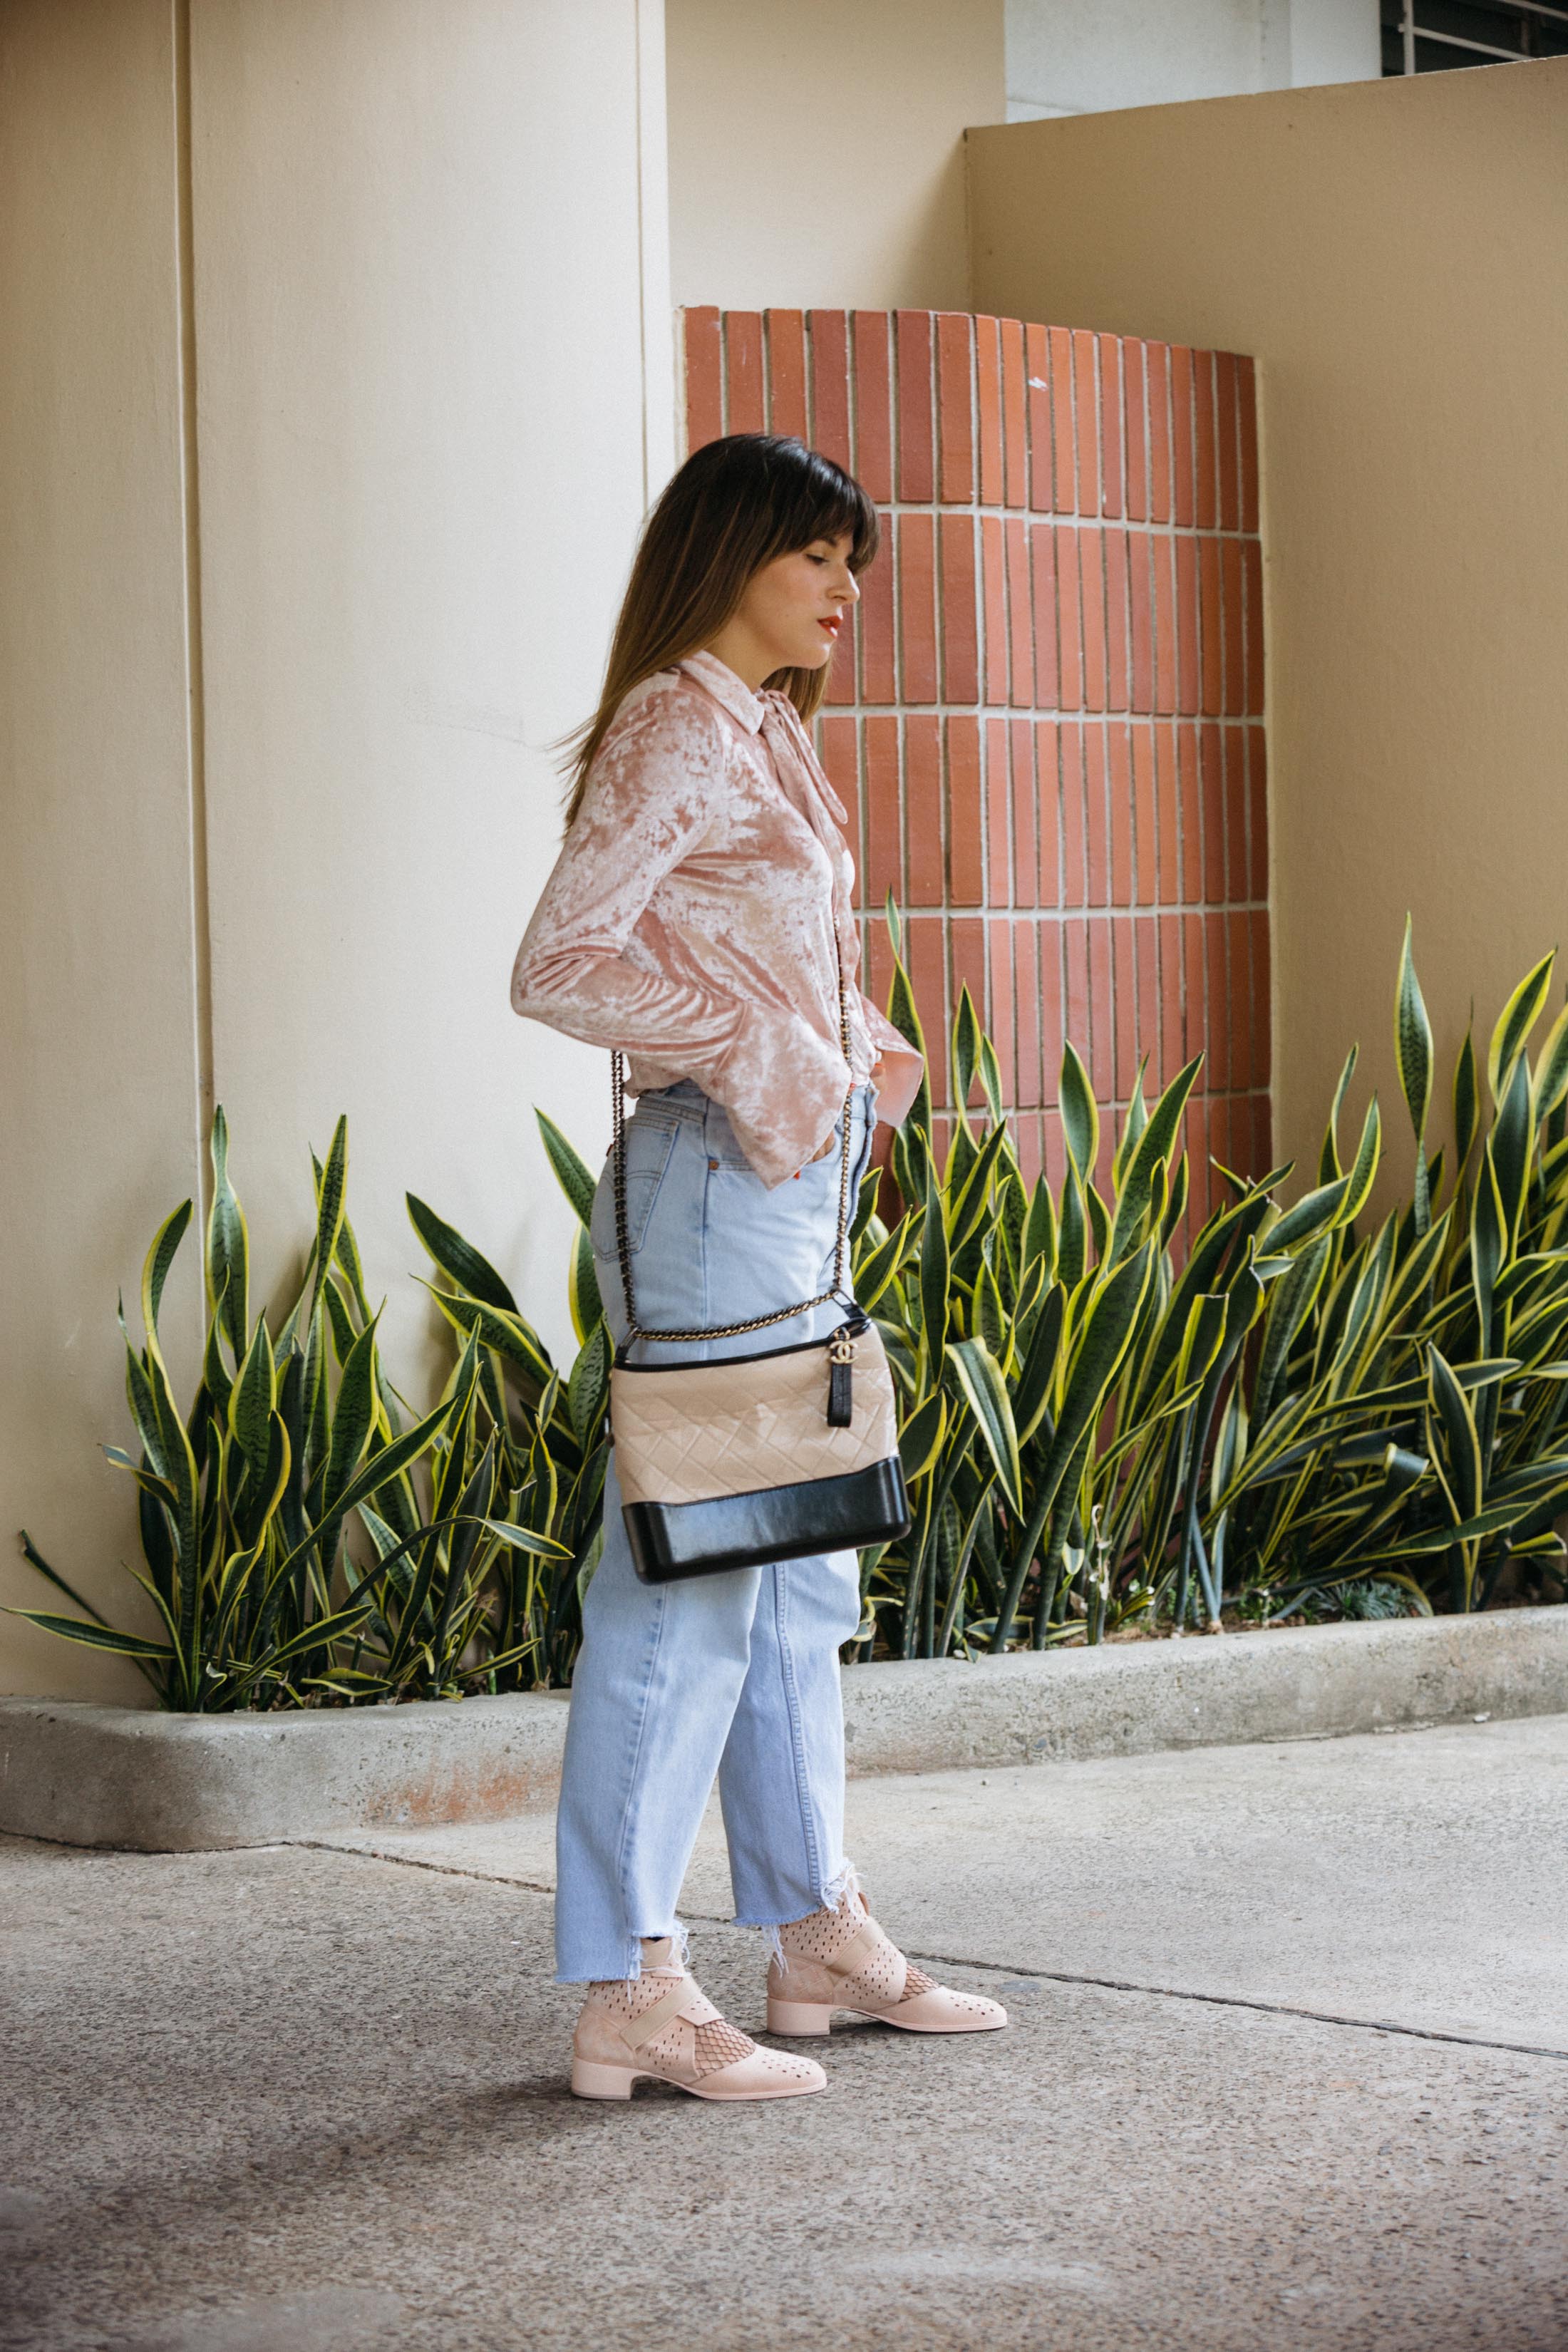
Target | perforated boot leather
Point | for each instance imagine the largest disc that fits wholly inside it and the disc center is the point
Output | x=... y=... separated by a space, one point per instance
x=663 y=2025
x=840 y=1959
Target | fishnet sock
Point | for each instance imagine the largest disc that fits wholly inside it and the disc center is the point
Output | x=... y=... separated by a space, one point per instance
x=720 y=2043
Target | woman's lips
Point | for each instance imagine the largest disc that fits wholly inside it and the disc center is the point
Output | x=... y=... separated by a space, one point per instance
x=832 y=626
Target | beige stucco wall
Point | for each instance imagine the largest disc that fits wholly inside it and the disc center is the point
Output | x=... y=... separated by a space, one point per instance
x=432 y=385
x=816 y=150
x=97 y=1072
x=1395 y=253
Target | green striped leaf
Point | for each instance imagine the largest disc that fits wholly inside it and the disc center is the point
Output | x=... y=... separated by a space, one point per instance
x=985 y=1393
x=1080 y=1117
x=573 y=1173
x=1515 y=1021
x=458 y=1258
x=1413 y=1041
x=228 y=1247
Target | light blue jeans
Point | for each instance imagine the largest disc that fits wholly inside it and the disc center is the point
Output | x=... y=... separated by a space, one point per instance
x=734 y=1673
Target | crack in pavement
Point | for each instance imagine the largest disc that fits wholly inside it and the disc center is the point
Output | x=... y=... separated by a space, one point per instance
x=1007 y=1968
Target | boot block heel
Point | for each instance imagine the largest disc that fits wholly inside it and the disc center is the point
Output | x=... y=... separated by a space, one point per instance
x=794 y=2019
x=591 y=2081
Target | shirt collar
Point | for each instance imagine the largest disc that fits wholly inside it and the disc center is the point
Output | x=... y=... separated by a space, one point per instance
x=724 y=687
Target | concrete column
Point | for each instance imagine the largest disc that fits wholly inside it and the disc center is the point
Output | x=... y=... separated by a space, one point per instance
x=337 y=378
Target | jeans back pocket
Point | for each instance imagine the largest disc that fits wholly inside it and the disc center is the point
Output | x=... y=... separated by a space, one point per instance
x=650 y=1143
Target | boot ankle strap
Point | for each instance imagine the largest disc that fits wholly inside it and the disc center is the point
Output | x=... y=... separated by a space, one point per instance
x=851 y=1958
x=685 y=2000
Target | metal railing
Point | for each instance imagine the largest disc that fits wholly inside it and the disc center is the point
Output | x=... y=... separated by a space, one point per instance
x=1520 y=19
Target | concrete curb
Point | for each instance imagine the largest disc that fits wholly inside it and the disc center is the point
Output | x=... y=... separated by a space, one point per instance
x=128 y=1778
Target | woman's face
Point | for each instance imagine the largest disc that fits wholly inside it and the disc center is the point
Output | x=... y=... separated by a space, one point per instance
x=793 y=612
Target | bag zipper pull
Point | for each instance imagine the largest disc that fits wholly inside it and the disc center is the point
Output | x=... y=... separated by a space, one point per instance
x=840 y=1376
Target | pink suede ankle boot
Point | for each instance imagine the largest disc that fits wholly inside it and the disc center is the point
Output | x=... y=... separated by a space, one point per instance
x=840 y=1959
x=662 y=2025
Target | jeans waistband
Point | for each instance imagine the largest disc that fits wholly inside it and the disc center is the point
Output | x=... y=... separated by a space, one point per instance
x=686 y=1090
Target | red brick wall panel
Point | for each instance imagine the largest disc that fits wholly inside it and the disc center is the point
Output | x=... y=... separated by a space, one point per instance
x=1027 y=1007
x=1118 y=676
x=988 y=409
x=998 y=816
x=829 y=336
x=1042 y=598
x=1141 y=621
x=1020 y=615
x=955 y=405
x=873 y=403
x=1038 y=387
x=1119 y=783
x=704 y=377
x=1135 y=428
x=1086 y=421
x=1145 y=849
x=916 y=569
x=1247 y=412
x=1227 y=427
x=960 y=611
x=786 y=371
x=1091 y=590
x=1025 y=811
x=1048 y=734
x=1162 y=566
x=1075 y=817
x=1232 y=599
x=1211 y=642
x=1111 y=488
x=884 y=868
x=1157 y=367
x=1096 y=815
x=965 y=829
x=1205 y=456
x=1183 y=448
x=1015 y=416
x=875 y=623
x=912 y=337
x=993 y=606
x=746 y=404
x=1048 y=790
x=1189 y=689
x=922 y=808
x=1064 y=439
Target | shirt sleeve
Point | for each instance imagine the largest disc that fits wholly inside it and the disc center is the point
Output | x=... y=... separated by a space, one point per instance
x=654 y=793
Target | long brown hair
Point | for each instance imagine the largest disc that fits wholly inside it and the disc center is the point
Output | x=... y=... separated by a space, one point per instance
x=735 y=505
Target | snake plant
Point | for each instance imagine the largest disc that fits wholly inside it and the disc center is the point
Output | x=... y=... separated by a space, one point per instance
x=1314 y=1411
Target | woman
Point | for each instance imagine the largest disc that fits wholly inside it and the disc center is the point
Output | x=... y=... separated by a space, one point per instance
x=690 y=921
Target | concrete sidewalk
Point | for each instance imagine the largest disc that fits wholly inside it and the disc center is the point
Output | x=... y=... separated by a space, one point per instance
x=1290 y=2069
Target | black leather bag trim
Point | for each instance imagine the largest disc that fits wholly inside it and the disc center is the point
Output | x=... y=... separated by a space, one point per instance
x=853 y=1322
x=860 y=1507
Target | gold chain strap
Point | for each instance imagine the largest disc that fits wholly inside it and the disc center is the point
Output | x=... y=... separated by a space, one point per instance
x=635 y=1331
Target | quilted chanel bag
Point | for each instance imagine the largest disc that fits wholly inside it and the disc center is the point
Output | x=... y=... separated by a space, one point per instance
x=733 y=1463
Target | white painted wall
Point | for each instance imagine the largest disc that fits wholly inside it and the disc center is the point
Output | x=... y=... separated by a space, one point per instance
x=419 y=393
x=816 y=149
x=1082 y=56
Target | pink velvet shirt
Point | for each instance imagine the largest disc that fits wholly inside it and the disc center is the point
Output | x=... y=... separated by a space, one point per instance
x=690 y=917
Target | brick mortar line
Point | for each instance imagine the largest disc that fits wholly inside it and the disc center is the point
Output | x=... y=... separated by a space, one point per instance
x=888 y=508
x=988 y=1968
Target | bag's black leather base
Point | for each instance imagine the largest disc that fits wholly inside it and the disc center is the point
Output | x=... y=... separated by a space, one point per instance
x=674 y=1540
